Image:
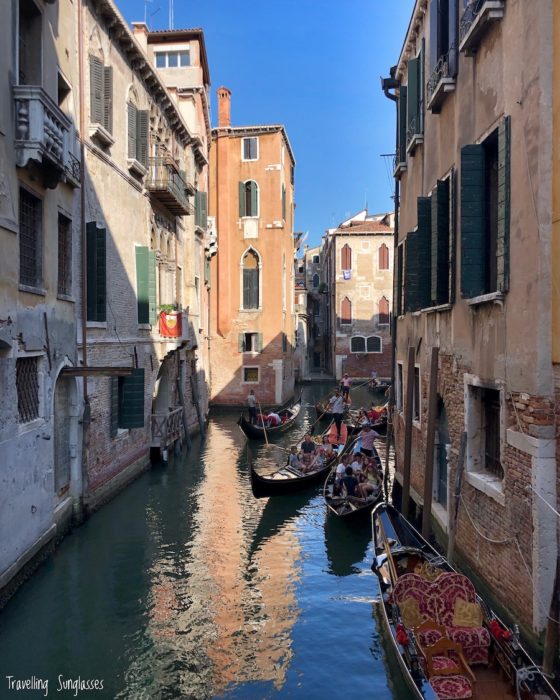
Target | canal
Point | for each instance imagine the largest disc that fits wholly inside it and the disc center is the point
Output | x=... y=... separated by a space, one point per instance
x=185 y=586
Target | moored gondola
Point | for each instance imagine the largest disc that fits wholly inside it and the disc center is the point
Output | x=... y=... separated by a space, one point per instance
x=287 y=480
x=447 y=641
x=257 y=431
x=355 y=507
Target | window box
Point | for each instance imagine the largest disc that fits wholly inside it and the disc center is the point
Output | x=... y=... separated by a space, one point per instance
x=440 y=82
x=496 y=297
x=136 y=168
x=475 y=22
x=97 y=132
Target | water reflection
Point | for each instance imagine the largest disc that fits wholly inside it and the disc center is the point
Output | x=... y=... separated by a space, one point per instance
x=346 y=545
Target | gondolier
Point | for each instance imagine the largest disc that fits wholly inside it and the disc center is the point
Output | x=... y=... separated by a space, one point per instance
x=336 y=407
x=345 y=384
x=252 y=404
x=367 y=438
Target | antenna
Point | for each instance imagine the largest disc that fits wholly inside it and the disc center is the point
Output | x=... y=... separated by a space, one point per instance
x=146 y=10
x=170 y=14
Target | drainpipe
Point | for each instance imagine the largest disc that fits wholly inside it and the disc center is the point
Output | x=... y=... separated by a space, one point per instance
x=387 y=84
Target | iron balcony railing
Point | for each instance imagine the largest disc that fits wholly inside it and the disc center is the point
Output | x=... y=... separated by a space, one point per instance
x=469 y=16
x=414 y=129
x=440 y=72
x=168 y=184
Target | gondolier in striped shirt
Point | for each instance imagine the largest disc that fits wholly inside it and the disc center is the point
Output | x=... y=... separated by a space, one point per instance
x=336 y=407
x=367 y=437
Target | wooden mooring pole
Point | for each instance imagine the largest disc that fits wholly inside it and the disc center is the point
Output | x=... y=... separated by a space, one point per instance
x=405 y=503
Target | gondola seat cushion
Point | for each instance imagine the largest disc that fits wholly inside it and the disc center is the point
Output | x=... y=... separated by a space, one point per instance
x=452 y=687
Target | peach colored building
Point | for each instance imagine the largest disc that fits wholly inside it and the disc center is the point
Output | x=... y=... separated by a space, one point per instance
x=252 y=304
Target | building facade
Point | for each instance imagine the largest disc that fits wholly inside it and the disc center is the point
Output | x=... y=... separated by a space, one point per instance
x=252 y=305
x=473 y=291
x=358 y=290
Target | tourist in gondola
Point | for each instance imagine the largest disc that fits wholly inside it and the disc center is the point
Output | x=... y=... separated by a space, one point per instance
x=293 y=458
x=308 y=448
x=272 y=419
x=350 y=482
x=317 y=463
x=336 y=407
x=369 y=479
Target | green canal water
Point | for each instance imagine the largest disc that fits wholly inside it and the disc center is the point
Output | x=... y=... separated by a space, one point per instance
x=185 y=586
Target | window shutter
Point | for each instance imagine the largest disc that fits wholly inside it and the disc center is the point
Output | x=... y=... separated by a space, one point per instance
x=424 y=234
x=440 y=243
x=96 y=90
x=246 y=149
x=346 y=311
x=241 y=342
x=142 y=137
x=346 y=257
x=131 y=400
x=452 y=243
x=421 y=83
x=132 y=130
x=504 y=194
x=259 y=342
x=242 y=199
x=284 y=202
x=91 y=240
x=398 y=282
x=453 y=20
x=101 y=275
x=401 y=150
x=207 y=274
x=108 y=98
x=434 y=26
x=114 y=406
x=413 y=126
x=254 y=199
x=473 y=260
x=142 y=284
x=200 y=209
x=197 y=209
x=152 y=297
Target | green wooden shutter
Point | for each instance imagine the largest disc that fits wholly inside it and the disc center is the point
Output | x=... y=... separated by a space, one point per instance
x=152 y=297
x=101 y=275
x=91 y=287
x=142 y=136
x=440 y=243
x=207 y=275
x=242 y=199
x=398 y=285
x=284 y=202
x=201 y=209
x=254 y=199
x=412 y=101
x=142 y=293
x=259 y=342
x=96 y=90
x=131 y=400
x=421 y=85
x=424 y=235
x=132 y=130
x=108 y=98
x=452 y=243
x=204 y=214
x=197 y=208
x=402 y=124
x=453 y=38
x=241 y=342
x=504 y=194
x=114 y=406
x=410 y=273
x=473 y=259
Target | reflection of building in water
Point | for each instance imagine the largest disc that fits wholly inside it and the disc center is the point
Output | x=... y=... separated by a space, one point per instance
x=226 y=616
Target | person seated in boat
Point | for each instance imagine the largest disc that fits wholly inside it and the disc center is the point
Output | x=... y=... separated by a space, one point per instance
x=327 y=446
x=356 y=464
x=308 y=448
x=349 y=482
x=370 y=480
x=339 y=474
x=318 y=461
x=272 y=419
x=375 y=412
x=293 y=458
x=367 y=438
x=362 y=418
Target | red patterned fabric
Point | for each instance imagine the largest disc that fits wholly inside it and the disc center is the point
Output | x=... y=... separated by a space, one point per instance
x=451 y=586
x=429 y=637
x=414 y=586
x=439 y=663
x=451 y=687
x=476 y=655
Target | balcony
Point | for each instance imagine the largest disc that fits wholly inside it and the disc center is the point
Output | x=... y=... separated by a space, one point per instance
x=44 y=134
x=475 y=22
x=414 y=135
x=399 y=167
x=442 y=80
x=168 y=185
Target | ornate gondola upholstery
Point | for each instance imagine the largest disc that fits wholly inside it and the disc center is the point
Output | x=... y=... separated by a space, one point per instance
x=452 y=687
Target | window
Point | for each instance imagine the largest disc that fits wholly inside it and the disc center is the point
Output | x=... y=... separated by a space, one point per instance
x=442 y=241
x=27 y=386
x=415 y=98
x=30 y=239
x=284 y=342
x=383 y=257
x=138 y=125
x=96 y=273
x=250 y=280
x=63 y=90
x=301 y=269
x=399 y=398
x=373 y=344
x=315 y=259
x=484 y=430
x=201 y=210
x=346 y=312
x=29 y=44
x=357 y=344
x=250 y=342
x=346 y=257
x=485 y=199
x=402 y=125
x=64 y=255
x=383 y=310
x=250 y=148
x=248 y=198
x=418 y=259
x=127 y=401
x=250 y=375
x=416 y=396
x=101 y=93
x=315 y=281
x=443 y=44
x=399 y=286
x=173 y=59
x=146 y=285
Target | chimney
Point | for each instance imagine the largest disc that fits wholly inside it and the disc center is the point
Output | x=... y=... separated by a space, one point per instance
x=140 y=30
x=224 y=107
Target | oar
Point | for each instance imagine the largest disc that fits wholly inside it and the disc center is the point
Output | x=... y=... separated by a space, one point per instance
x=264 y=427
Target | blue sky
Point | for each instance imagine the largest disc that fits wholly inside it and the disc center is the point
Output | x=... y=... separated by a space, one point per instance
x=314 y=66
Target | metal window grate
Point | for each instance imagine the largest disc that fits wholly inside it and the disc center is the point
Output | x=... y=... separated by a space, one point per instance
x=27 y=385
x=64 y=255
x=29 y=239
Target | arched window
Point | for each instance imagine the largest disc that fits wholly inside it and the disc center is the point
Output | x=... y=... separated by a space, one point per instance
x=250 y=280
x=248 y=198
x=383 y=312
x=373 y=344
x=346 y=257
x=346 y=312
x=357 y=344
x=383 y=257
x=315 y=280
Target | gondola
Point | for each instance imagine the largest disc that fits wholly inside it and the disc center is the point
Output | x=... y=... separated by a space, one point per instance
x=257 y=432
x=380 y=426
x=352 y=508
x=321 y=408
x=287 y=480
x=446 y=640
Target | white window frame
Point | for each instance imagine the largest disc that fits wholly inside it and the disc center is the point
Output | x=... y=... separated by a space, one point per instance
x=172 y=49
x=417 y=421
x=244 y=367
x=249 y=160
x=357 y=352
x=400 y=389
x=375 y=352
x=254 y=335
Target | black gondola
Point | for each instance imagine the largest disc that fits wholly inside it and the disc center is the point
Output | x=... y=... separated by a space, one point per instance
x=485 y=659
x=353 y=508
x=257 y=432
x=286 y=480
